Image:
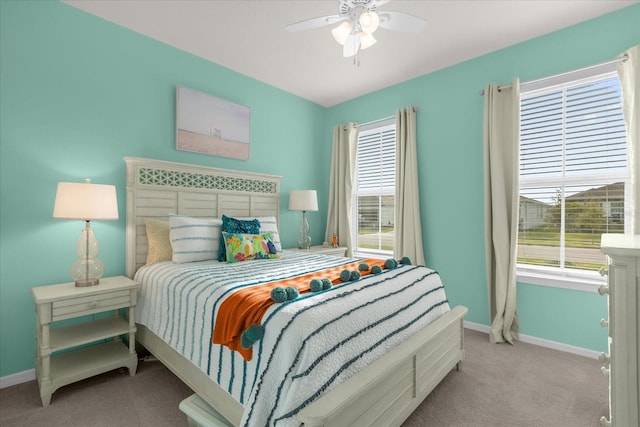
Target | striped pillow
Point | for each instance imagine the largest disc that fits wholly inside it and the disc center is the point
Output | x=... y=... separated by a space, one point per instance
x=194 y=239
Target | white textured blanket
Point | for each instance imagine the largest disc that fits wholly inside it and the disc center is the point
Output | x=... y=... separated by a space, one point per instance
x=310 y=345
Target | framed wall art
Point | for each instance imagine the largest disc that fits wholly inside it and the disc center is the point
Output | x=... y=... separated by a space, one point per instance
x=211 y=125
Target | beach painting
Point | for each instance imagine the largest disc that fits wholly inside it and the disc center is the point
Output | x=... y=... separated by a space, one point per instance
x=211 y=125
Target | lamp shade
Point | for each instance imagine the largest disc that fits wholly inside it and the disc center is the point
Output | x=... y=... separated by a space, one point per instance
x=86 y=201
x=369 y=22
x=341 y=32
x=367 y=40
x=303 y=200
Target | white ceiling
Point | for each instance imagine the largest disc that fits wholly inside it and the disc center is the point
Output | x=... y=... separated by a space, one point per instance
x=249 y=36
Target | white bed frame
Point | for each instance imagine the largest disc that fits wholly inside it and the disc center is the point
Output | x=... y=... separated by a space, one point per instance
x=384 y=393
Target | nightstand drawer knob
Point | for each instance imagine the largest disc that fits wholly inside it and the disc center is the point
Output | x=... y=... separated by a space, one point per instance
x=604 y=323
x=94 y=304
x=603 y=271
x=603 y=289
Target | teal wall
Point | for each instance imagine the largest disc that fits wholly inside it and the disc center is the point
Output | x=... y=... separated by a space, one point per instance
x=78 y=93
x=449 y=130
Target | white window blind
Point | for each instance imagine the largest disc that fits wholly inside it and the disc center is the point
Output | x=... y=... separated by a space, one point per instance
x=375 y=189
x=574 y=177
x=573 y=130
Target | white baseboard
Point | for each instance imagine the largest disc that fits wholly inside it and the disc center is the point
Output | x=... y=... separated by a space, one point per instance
x=19 y=378
x=591 y=354
x=30 y=375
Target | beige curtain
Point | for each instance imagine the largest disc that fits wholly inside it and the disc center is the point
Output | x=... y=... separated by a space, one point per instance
x=343 y=161
x=408 y=231
x=501 y=143
x=628 y=72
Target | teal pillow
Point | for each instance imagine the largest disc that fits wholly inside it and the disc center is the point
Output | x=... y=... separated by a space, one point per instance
x=246 y=247
x=234 y=225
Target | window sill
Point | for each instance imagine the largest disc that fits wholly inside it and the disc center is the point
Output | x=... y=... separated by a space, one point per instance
x=372 y=254
x=577 y=281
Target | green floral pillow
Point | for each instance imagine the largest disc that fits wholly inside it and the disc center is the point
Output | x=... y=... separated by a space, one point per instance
x=234 y=225
x=245 y=247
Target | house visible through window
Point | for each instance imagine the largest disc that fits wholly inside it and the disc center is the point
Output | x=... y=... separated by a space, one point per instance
x=574 y=177
x=374 y=191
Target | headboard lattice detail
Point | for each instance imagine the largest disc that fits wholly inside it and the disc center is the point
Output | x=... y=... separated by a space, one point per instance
x=150 y=176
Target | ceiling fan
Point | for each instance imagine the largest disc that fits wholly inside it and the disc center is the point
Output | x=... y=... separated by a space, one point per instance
x=359 y=20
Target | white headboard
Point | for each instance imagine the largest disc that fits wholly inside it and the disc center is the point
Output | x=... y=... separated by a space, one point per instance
x=158 y=188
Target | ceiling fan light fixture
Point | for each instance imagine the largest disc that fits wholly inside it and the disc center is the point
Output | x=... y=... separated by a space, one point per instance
x=369 y=22
x=367 y=40
x=341 y=32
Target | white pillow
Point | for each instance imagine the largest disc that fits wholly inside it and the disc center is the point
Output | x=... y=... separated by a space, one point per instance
x=194 y=239
x=269 y=224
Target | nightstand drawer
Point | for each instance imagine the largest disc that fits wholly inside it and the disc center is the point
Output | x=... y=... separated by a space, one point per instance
x=76 y=307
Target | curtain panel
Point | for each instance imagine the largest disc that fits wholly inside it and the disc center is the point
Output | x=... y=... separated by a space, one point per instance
x=408 y=229
x=629 y=72
x=501 y=151
x=343 y=161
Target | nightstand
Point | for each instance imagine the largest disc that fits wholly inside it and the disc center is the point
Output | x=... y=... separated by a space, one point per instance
x=66 y=301
x=327 y=250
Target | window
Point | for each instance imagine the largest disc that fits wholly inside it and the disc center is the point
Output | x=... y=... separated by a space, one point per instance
x=374 y=191
x=574 y=178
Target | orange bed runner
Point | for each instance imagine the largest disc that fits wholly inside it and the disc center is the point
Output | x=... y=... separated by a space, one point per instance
x=246 y=307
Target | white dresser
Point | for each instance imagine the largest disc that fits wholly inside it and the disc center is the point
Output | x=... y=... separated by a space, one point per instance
x=622 y=364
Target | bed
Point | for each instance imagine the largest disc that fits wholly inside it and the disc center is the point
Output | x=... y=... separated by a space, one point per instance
x=380 y=386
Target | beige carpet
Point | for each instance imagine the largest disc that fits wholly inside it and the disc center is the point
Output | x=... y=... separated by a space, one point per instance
x=500 y=385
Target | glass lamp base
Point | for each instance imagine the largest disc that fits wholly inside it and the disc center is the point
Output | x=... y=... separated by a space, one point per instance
x=304 y=240
x=88 y=269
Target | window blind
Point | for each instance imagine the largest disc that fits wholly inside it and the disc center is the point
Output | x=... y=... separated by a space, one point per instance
x=573 y=130
x=376 y=159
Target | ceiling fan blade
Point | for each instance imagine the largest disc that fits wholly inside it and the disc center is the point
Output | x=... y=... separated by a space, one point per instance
x=398 y=21
x=351 y=45
x=379 y=3
x=314 y=23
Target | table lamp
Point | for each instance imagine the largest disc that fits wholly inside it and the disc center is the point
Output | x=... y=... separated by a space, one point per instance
x=87 y=202
x=303 y=200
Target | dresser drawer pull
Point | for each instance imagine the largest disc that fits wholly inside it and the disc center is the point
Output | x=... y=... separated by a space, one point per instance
x=604 y=422
x=604 y=323
x=604 y=371
x=603 y=289
x=604 y=358
x=603 y=271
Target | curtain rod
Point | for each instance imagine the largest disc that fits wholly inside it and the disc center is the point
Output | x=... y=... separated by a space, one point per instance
x=376 y=121
x=613 y=61
x=383 y=119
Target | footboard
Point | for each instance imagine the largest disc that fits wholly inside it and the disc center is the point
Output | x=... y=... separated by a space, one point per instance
x=384 y=393
x=390 y=389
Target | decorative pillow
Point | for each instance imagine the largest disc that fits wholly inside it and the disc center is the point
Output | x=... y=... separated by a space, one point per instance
x=235 y=225
x=245 y=247
x=269 y=224
x=194 y=239
x=159 y=242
